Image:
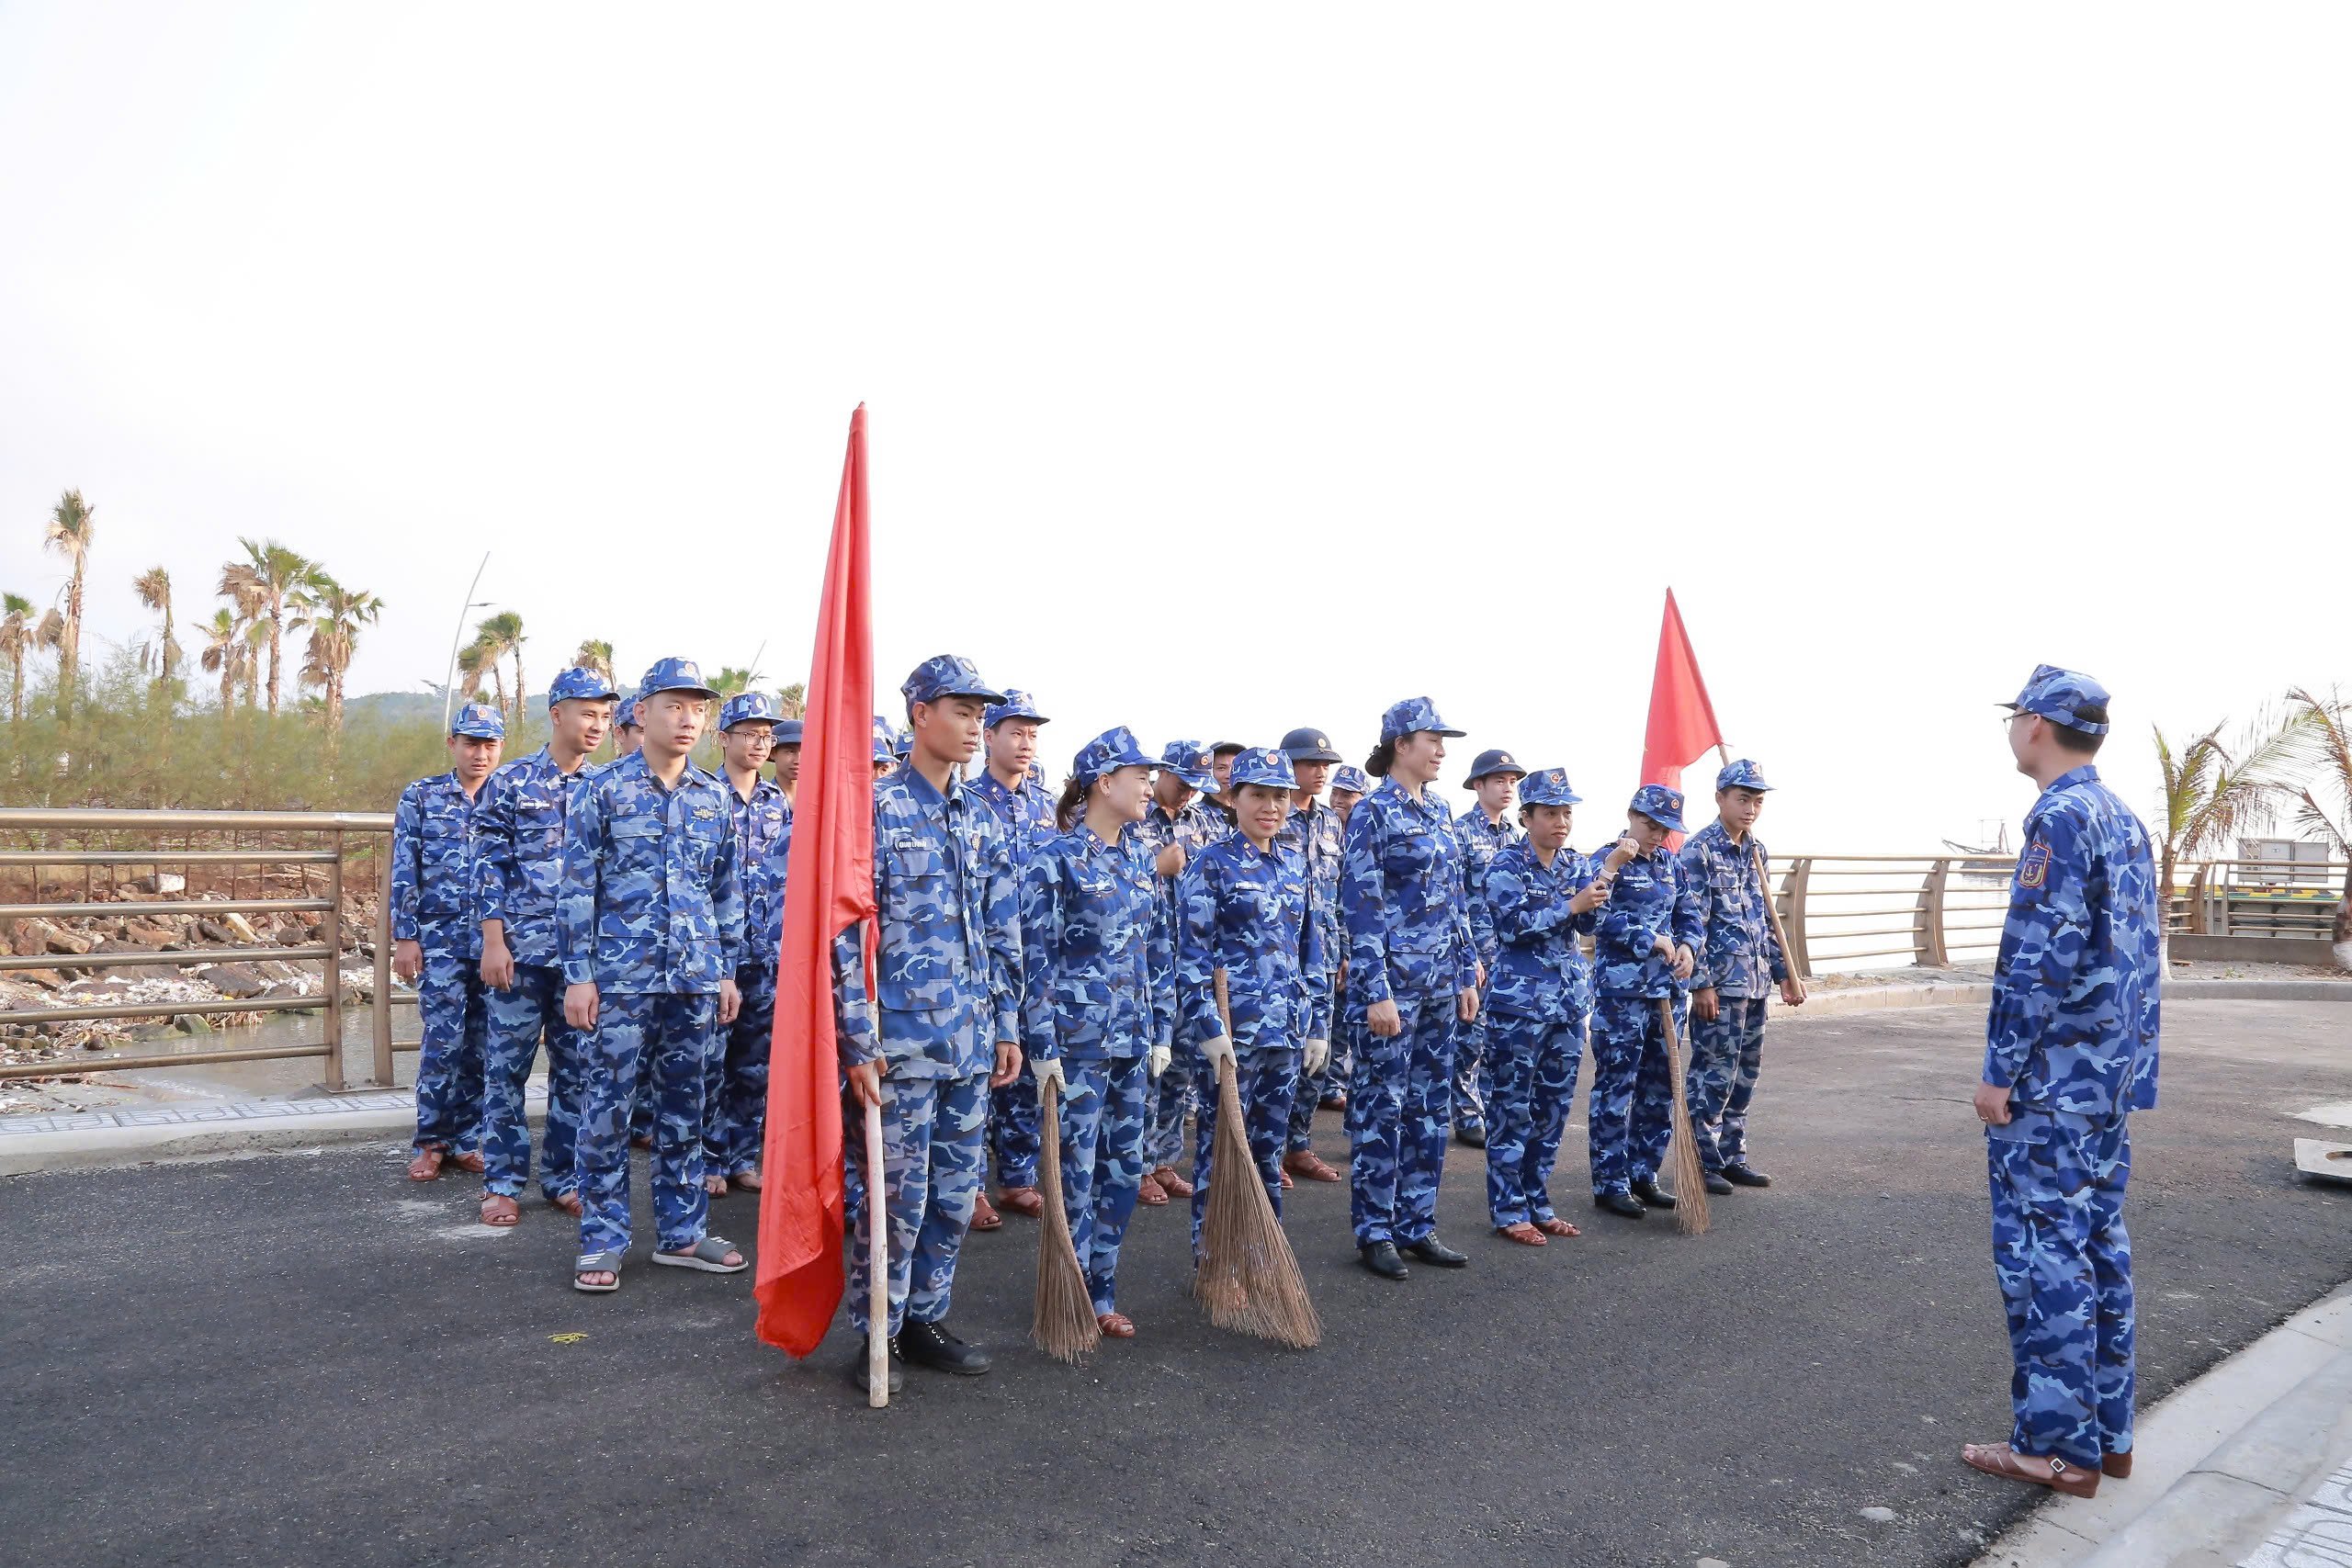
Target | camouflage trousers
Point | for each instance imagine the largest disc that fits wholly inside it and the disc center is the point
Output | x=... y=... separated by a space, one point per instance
x=735 y=1079
x=1530 y=1079
x=2064 y=1265
x=523 y=1017
x=1015 y=1134
x=933 y=1131
x=1469 y=1105
x=662 y=1039
x=1312 y=1090
x=1103 y=1160
x=1268 y=1077
x=454 y=1011
x=1397 y=1097
x=1726 y=1054
x=1630 y=1122
x=1168 y=1101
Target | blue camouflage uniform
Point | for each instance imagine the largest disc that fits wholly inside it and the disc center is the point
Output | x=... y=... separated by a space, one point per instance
x=735 y=1081
x=518 y=876
x=1630 y=1123
x=1314 y=831
x=1098 y=992
x=1168 y=1098
x=1027 y=812
x=434 y=833
x=652 y=916
x=1741 y=958
x=1256 y=917
x=2072 y=1035
x=1355 y=783
x=947 y=974
x=1539 y=991
x=1406 y=910
x=1481 y=842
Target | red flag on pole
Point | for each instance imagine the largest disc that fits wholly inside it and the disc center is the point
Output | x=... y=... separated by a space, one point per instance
x=829 y=888
x=1682 y=721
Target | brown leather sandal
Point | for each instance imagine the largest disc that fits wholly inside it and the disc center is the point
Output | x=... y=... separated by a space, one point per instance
x=1026 y=1201
x=498 y=1211
x=2117 y=1466
x=1308 y=1166
x=471 y=1161
x=2034 y=1470
x=1524 y=1233
x=1172 y=1182
x=1151 y=1196
x=1115 y=1325
x=984 y=1214
x=1556 y=1226
x=426 y=1165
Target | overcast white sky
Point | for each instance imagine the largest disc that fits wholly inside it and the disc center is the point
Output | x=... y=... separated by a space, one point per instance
x=1235 y=368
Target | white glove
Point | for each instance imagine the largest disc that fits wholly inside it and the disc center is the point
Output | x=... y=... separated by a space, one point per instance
x=1318 y=1056
x=1048 y=1069
x=1156 y=1060
x=1215 y=1050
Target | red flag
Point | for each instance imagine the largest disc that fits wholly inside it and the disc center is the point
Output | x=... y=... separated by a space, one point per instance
x=1682 y=721
x=829 y=888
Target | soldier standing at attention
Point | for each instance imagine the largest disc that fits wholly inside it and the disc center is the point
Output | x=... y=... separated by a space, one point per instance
x=1181 y=822
x=1644 y=948
x=1025 y=806
x=1220 y=800
x=1348 y=786
x=518 y=876
x=1540 y=895
x=886 y=749
x=627 y=734
x=1098 y=995
x=2069 y=1053
x=946 y=1016
x=1485 y=828
x=436 y=944
x=785 y=754
x=735 y=1082
x=1315 y=832
x=651 y=919
x=1250 y=915
x=1412 y=976
x=1739 y=963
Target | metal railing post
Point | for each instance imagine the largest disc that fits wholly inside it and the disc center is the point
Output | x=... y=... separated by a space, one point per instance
x=1932 y=952
x=332 y=920
x=381 y=1010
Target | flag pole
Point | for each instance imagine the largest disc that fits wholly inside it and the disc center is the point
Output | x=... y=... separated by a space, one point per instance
x=877 y=1268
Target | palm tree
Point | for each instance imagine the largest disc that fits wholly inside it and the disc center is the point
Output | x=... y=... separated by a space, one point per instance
x=793 y=700
x=502 y=636
x=333 y=615
x=597 y=656
x=2323 y=803
x=2213 y=793
x=730 y=680
x=480 y=659
x=16 y=640
x=70 y=525
x=154 y=589
x=226 y=650
x=267 y=574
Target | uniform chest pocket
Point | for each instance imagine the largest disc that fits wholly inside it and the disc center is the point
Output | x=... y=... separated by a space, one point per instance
x=916 y=882
x=1411 y=856
x=702 y=845
x=445 y=821
x=636 y=842
x=538 y=827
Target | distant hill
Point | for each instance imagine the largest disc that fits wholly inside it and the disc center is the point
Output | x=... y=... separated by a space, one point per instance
x=392 y=709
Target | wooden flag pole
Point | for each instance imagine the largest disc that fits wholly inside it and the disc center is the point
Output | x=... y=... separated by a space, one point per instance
x=878 y=1267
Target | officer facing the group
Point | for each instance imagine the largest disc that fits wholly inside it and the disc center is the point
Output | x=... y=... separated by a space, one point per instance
x=945 y=1018
x=651 y=923
x=519 y=877
x=437 y=943
x=1315 y=830
x=1739 y=963
x=1412 y=977
x=1486 y=828
x=1644 y=947
x=1008 y=788
x=2070 y=1052
x=735 y=1085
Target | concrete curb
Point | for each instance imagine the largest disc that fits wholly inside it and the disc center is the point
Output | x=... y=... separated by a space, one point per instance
x=1979 y=993
x=2218 y=1463
x=87 y=1140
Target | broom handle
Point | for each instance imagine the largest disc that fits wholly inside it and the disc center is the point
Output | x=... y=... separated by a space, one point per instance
x=1224 y=1002
x=877 y=1269
x=1764 y=889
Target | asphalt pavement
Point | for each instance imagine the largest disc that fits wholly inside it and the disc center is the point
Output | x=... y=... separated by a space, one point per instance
x=305 y=1358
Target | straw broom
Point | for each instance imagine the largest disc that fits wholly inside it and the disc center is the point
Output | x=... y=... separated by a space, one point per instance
x=1248 y=1279
x=1689 y=1176
x=1063 y=1323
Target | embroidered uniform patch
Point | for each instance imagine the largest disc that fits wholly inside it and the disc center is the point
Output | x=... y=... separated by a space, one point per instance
x=2033 y=866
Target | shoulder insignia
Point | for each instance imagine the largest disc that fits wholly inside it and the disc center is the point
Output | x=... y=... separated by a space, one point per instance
x=2033 y=866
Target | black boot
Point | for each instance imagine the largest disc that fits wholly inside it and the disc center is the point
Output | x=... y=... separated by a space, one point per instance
x=1647 y=1189
x=1746 y=1175
x=930 y=1345
x=1380 y=1256
x=857 y=1369
x=1429 y=1249
x=1718 y=1184
x=1619 y=1203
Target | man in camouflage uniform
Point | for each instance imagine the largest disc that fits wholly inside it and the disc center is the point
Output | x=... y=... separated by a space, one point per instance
x=1349 y=785
x=1644 y=947
x=651 y=926
x=785 y=754
x=436 y=944
x=945 y=1020
x=1486 y=830
x=1739 y=963
x=1025 y=806
x=1312 y=830
x=518 y=875
x=1181 y=822
x=627 y=734
x=886 y=748
x=2070 y=1052
x=735 y=1085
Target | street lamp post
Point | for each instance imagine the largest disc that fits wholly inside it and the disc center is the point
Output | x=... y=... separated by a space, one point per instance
x=450 y=680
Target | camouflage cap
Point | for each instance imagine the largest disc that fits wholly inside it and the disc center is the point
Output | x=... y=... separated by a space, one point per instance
x=1660 y=805
x=2060 y=695
x=1115 y=748
x=1411 y=716
x=747 y=708
x=1353 y=779
x=1262 y=765
x=1017 y=703
x=625 y=715
x=946 y=676
x=673 y=675
x=1188 y=760
x=1547 y=787
x=886 y=740
x=1741 y=774
x=478 y=721
x=579 y=682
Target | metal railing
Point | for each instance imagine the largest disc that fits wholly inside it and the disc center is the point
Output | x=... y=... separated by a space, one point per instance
x=1937 y=912
x=280 y=842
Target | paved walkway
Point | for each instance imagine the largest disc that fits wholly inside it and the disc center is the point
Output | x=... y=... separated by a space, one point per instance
x=305 y=1358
